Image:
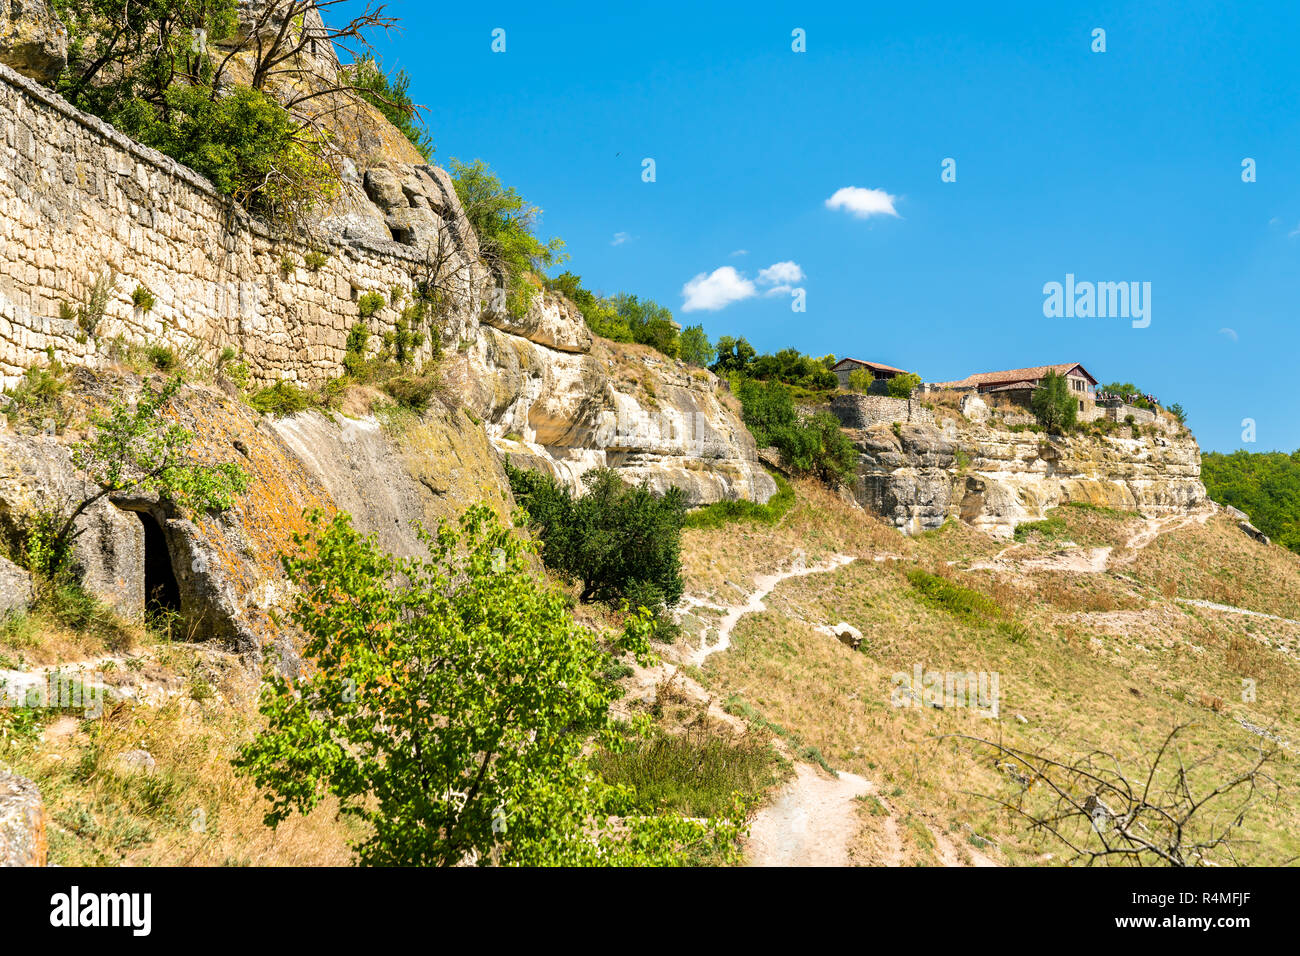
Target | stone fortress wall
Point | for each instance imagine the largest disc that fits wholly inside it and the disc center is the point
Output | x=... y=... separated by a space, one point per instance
x=862 y=411
x=79 y=201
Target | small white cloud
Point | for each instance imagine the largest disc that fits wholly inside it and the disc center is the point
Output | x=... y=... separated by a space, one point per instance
x=1230 y=333
x=780 y=272
x=741 y=252
x=716 y=290
x=863 y=203
x=620 y=238
x=1294 y=232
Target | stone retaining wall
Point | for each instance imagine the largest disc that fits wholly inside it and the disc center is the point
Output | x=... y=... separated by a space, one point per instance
x=863 y=411
x=80 y=201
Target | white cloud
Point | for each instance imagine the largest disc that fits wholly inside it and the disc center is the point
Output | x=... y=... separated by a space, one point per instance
x=863 y=203
x=741 y=252
x=620 y=238
x=721 y=287
x=716 y=290
x=780 y=272
x=1230 y=333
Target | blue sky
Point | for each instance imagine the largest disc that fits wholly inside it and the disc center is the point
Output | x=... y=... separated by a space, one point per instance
x=1117 y=166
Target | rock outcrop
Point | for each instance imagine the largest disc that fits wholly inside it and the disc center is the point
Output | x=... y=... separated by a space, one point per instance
x=555 y=397
x=917 y=476
x=32 y=40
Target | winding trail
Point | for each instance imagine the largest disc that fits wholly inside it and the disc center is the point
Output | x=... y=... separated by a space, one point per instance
x=765 y=585
x=811 y=822
x=1093 y=560
x=1229 y=609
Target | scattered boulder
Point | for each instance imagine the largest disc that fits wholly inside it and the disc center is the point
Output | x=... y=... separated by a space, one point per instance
x=848 y=635
x=135 y=761
x=22 y=822
x=1253 y=532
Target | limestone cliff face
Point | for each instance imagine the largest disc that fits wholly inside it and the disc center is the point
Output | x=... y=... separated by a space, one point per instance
x=556 y=398
x=920 y=475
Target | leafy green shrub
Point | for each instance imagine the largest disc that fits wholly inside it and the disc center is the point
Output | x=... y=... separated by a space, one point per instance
x=282 y=398
x=861 y=380
x=143 y=299
x=619 y=541
x=814 y=446
x=242 y=140
x=369 y=304
x=902 y=386
x=462 y=734
x=315 y=261
x=724 y=512
x=40 y=396
x=90 y=312
x=504 y=224
x=163 y=357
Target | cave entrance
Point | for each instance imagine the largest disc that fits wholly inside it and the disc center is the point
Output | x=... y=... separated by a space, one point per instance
x=161 y=592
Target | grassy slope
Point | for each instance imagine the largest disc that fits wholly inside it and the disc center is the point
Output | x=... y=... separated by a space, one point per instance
x=1108 y=661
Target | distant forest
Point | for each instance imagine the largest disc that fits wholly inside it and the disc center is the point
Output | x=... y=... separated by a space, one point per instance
x=1265 y=485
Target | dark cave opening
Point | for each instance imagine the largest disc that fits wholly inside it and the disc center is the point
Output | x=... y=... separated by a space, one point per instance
x=161 y=592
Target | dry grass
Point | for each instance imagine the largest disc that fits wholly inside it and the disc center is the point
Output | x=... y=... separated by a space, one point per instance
x=192 y=809
x=1106 y=662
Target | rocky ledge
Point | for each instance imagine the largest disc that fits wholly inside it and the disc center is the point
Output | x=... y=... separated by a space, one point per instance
x=917 y=476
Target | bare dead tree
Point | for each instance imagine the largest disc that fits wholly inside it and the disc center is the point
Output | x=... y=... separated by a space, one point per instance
x=1105 y=815
x=284 y=40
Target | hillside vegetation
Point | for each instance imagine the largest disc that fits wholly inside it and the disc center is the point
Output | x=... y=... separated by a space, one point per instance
x=1265 y=485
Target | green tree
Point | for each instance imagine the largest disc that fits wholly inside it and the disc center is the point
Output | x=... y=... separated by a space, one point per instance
x=861 y=380
x=1053 y=404
x=504 y=224
x=1265 y=485
x=815 y=445
x=649 y=322
x=902 y=386
x=695 y=347
x=390 y=93
x=734 y=355
x=620 y=541
x=449 y=703
x=819 y=447
x=767 y=409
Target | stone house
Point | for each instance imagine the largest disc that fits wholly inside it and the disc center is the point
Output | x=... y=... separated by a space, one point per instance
x=1017 y=385
x=880 y=373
